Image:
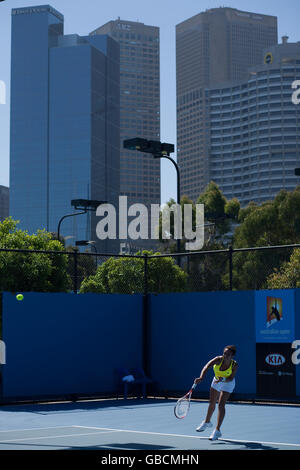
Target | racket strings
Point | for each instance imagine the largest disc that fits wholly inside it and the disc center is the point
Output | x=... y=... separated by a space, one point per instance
x=182 y=407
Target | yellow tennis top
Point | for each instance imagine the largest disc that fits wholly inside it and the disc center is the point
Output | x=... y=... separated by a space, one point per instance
x=223 y=373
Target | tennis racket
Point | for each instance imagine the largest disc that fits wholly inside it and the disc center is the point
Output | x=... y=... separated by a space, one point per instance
x=182 y=406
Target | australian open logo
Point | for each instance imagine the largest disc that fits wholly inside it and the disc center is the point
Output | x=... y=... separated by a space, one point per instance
x=274 y=310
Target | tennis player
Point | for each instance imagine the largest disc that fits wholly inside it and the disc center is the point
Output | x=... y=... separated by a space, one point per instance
x=221 y=387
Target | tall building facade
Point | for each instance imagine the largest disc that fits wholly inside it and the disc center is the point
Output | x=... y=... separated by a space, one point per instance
x=139 y=111
x=64 y=123
x=4 y=202
x=255 y=128
x=213 y=47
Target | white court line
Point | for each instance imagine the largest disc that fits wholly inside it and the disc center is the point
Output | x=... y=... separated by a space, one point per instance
x=190 y=437
x=37 y=429
x=55 y=437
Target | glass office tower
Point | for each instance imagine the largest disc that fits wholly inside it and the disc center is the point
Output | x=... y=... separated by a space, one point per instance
x=139 y=111
x=64 y=124
x=4 y=202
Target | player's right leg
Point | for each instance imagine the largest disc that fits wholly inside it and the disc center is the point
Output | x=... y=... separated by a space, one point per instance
x=213 y=397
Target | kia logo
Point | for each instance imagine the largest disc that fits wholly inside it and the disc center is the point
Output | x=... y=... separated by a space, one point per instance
x=275 y=359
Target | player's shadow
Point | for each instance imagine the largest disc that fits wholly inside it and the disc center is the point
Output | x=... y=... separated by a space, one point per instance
x=111 y=446
x=248 y=445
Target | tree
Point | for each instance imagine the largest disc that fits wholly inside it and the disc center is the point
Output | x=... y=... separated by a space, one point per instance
x=126 y=276
x=288 y=276
x=86 y=264
x=219 y=216
x=167 y=241
x=218 y=210
x=206 y=271
x=273 y=223
x=21 y=271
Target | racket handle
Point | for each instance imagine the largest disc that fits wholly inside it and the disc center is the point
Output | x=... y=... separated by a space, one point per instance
x=194 y=386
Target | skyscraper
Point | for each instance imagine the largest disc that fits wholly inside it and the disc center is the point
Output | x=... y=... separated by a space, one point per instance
x=139 y=109
x=4 y=202
x=212 y=47
x=64 y=123
x=255 y=128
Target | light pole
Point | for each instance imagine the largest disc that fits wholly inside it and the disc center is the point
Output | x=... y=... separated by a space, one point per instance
x=84 y=205
x=158 y=150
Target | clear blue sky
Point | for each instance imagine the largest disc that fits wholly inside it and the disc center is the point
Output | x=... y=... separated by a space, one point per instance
x=82 y=17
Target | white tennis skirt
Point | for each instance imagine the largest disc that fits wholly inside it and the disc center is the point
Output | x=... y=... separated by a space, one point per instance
x=223 y=386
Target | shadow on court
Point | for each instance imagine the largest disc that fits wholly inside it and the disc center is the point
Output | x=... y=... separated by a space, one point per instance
x=53 y=407
x=247 y=445
x=110 y=446
x=138 y=446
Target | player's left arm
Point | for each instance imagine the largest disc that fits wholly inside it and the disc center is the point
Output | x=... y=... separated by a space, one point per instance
x=234 y=371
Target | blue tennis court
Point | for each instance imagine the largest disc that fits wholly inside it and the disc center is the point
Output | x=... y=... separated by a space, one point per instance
x=146 y=425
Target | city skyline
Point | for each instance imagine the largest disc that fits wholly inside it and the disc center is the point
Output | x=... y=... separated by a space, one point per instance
x=65 y=99
x=213 y=48
x=139 y=108
x=254 y=123
x=157 y=14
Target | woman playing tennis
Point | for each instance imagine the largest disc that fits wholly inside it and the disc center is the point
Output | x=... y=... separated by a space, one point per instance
x=221 y=387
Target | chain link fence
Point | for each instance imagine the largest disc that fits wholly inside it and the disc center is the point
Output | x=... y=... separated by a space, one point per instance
x=78 y=272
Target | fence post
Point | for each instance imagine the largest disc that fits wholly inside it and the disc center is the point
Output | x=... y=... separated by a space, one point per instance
x=230 y=251
x=145 y=274
x=145 y=322
x=75 y=284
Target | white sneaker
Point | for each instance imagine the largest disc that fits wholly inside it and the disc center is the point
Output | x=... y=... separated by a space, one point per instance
x=203 y=426
x=215 y=435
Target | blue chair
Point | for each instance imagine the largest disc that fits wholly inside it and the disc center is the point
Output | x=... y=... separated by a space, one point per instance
x=141 y=378
x=121 y=372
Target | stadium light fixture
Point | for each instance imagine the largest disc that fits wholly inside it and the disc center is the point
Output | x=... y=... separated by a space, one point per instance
x=84 y=205
x=158 y=150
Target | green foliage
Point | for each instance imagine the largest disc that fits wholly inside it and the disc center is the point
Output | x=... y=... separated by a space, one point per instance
x=167 y=241
x=288 y=276
x=232 y=208
x=86 y=265
x=21 y=271
x=207 y=270
x=219 y=213
x=273 y=223
x=126 y=276
x=214 y=201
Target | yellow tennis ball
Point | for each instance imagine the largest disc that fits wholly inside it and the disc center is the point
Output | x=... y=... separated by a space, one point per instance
x=20 y=297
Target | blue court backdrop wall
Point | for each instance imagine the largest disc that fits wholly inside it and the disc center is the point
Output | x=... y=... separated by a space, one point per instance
x=189 y=329
x=297 y=336
x=60 y=344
